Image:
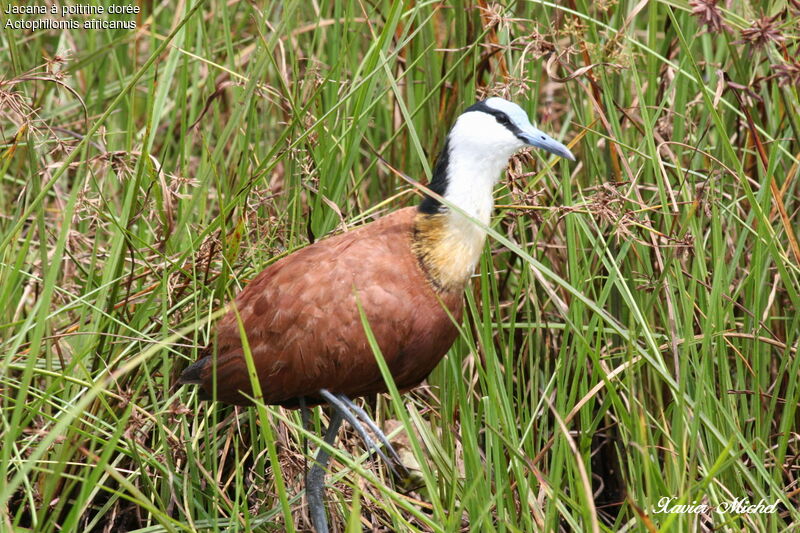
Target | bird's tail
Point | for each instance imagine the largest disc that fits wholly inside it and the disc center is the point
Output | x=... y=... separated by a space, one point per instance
x=193 y=374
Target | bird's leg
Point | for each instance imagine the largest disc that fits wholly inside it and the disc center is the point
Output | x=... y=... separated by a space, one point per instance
x=315 y=479
x=374 y=427
x=344 y=408
x=306 y=420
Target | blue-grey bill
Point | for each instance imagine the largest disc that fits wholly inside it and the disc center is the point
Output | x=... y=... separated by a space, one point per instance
x=547 y=143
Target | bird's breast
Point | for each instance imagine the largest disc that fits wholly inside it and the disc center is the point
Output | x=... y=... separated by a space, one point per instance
x=304 y=318
x=448 y=247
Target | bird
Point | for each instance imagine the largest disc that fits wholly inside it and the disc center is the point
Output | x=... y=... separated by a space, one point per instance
x=406 y=272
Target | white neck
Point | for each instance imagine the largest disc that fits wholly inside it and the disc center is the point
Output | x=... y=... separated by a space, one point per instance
x=471 y=180
x=447 y=242
x=472 y=177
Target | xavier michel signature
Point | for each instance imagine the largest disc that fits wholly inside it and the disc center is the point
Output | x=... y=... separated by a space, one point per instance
x=667 y=505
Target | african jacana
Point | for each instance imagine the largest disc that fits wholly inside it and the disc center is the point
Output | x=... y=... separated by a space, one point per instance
x=300 y=314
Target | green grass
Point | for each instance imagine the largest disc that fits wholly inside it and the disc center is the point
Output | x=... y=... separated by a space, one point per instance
x=633 y=334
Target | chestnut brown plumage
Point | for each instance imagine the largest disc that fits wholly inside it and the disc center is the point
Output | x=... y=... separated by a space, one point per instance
x=407 y=271
x=304 y=327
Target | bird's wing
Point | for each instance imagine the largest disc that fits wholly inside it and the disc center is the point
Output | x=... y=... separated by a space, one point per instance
x=304 y=327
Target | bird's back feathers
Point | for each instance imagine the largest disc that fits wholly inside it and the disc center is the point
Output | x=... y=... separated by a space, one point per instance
x=305 y=331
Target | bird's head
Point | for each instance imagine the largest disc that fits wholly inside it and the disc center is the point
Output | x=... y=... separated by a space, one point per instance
x=477 y=150
x=499 y=128
x=471 y=162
